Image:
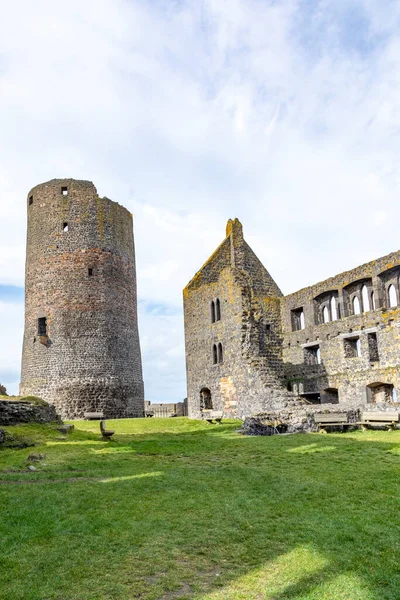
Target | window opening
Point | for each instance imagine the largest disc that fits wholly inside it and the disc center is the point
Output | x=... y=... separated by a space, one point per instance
x=220 y=355
x=30 y=200
x=373 y=347
x=90 y=271
x=205 y=399
x=64 y=191
x=312 y=355
x=325 y=315
x=334 y=311
x=213 y=312
x=352 y=347
x=365 y=299
x=215 y=355
x=298 y=321
x=392 y=296
x=373 y=305
x=380 y=392
x=65 y=227
x=42 y=326
x=356 y=306
x=217 y=310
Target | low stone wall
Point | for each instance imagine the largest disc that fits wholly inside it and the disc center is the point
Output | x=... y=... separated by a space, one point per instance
x=299 y=418
x=13 y=413
x=2 y=436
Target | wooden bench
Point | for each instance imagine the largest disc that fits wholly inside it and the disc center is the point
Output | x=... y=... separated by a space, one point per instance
x=212 y=415
x=331 y=420
x=388 y=419
x=106 y=433
x=93 y=416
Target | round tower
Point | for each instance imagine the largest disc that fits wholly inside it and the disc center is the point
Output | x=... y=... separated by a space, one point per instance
x=81 y=348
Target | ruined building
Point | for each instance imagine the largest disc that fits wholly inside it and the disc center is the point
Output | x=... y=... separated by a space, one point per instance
x=81 y=348
x=249 y=349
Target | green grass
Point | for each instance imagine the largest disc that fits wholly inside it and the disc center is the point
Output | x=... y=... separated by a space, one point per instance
x=173 y=508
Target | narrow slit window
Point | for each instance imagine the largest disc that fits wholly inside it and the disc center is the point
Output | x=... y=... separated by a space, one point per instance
x=64 y=190
x=42 y=326
x=220 y=354
x=90 y=271
x=217 y=310
x=213 y=312
x=30 y=200
x=334 y=311
x=373 y=301
x=65 y=227
x=215 y=355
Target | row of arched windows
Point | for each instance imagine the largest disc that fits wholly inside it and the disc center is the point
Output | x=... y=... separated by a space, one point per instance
x=215 y=310
x=358 y=297
x=217 y=354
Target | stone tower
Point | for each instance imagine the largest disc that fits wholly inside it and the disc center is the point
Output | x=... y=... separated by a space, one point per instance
x=81 y=347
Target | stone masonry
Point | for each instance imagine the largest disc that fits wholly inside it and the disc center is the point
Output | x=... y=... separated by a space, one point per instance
x=250 y=350
x=81 y=349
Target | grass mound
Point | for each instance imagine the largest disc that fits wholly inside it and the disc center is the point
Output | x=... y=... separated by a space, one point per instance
x=173 y=508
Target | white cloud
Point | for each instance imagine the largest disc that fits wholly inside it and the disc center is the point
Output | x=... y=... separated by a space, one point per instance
x=285 y=114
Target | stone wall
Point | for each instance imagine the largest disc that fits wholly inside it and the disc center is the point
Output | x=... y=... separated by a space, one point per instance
x=13 y=413
x=81 y=278
x=353 y=374
x=337 y=342
x=171 y=409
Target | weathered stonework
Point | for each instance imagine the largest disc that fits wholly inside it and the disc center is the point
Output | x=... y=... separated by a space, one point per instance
x=249 y=377
x=310 y=347
x=81 y=348
x=13 y=413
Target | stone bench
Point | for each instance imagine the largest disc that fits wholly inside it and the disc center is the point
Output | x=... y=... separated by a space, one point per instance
x=388 y=419
x=212 y=415
x=93 y=416
x=106 y=433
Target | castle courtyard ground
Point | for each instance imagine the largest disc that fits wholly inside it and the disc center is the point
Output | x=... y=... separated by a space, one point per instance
x=179 y=509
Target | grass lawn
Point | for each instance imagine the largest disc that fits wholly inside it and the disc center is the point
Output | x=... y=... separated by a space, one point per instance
x=173 y=508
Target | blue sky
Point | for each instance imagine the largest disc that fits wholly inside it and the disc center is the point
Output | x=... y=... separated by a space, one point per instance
x=283 y=114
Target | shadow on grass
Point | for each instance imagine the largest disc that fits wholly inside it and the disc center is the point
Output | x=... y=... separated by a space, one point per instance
x=219 y=514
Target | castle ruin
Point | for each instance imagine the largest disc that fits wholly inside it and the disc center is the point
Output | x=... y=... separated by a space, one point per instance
x=249 y=349
x=81 y=348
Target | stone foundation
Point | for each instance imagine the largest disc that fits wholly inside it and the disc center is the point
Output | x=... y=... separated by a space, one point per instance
x=14 y=413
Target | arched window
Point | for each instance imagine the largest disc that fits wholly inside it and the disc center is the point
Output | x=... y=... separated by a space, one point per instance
x=365 y=299
x=373 y=305
x=212 y=312
x=334 y=311
x=325 y=315
x=302 y=322
x=356 y=306
x=217 y=310
x=220 y=355
x=392 y=296
x=215 y=355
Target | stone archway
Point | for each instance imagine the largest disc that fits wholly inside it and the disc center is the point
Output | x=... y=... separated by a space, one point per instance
x=205 y=399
